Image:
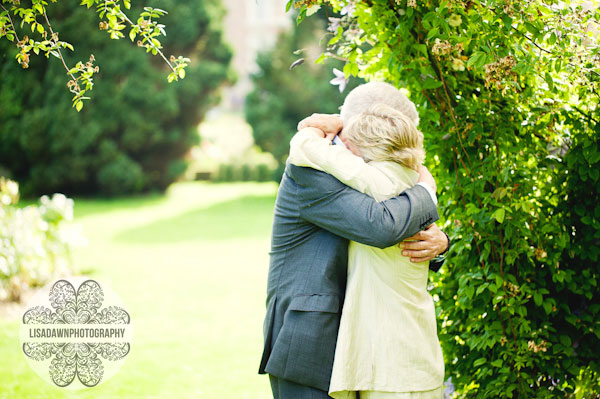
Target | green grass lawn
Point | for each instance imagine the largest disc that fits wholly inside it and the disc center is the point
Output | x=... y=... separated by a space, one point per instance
x=191 y=267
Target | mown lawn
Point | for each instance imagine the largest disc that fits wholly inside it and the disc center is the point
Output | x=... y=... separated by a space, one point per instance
x=191 y=268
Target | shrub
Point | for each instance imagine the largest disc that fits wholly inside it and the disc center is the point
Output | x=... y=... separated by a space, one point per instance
x=229 y=172
x=133 y=133
x=35 y=241
x=121 y=176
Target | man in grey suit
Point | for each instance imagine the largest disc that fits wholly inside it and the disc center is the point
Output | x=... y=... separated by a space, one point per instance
x=315 y=216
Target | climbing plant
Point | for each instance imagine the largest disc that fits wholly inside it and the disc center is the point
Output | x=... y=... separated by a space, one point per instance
x=508 y=95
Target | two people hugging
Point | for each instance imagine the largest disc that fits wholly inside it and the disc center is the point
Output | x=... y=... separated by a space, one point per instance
x=348 y=312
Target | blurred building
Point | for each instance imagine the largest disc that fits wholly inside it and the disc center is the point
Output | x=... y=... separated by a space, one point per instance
x=250 y=27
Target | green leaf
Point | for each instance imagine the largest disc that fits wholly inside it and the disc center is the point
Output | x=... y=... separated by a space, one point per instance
x=499 y=193
x=421 y=48
x=433 y=32
x=499 y=215
x=507 y=20
x=78 y=105
x=432 y=84
x=538 y=298
x=479 y=361
x=565 y=340
x=182 y=73
x=549 y=81
x=547 y=307
x=321 y=58
x=469 y=291
x=531 y=28
x=477 y=59
x=301 y=15
x=497 y=363
x=593 y=158
x=480 y=289
x=132 y=34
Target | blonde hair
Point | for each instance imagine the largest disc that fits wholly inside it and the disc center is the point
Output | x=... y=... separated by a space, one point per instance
x=382 y=133
x=365 y=95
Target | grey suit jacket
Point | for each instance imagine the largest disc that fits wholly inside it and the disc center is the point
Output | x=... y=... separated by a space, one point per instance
x=315 y=216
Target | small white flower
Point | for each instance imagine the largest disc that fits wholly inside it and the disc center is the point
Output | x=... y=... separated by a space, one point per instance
x=348 y=9
x=334 y=24
x=4 y=266
x=13 y=188
x=339 y=80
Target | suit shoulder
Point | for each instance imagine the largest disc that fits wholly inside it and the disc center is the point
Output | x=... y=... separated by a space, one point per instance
x=308 y=177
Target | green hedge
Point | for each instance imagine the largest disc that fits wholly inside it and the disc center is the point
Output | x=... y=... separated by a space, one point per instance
x=245 y=172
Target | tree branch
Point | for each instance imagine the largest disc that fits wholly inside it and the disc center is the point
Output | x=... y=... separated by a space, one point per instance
x=11 y=22
x=584 y=114
x=126 y=18
x=59 y=51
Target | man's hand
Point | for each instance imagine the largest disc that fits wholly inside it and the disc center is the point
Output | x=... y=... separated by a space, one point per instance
x=329 y=124
x=428 y=244
x=426 y=177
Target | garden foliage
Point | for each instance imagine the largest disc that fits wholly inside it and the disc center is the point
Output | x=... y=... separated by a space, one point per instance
x=114 y=19
x=135 y=131
x=508 y=97
x=35 y=241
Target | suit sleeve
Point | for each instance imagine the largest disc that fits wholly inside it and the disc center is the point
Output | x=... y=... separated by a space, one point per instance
x=329 y=204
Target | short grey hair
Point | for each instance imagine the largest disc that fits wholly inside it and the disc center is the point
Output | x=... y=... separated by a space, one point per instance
x=366 y=95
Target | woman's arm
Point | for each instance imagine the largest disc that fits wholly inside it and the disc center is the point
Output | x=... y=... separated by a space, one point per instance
x=310 y=149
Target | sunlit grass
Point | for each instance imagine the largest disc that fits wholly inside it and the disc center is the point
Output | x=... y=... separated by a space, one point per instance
x=191 y=268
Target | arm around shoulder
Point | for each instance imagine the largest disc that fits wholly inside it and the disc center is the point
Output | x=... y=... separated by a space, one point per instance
x=331 y=205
